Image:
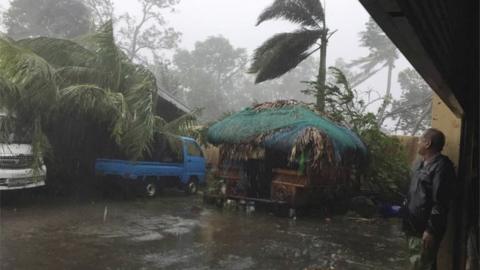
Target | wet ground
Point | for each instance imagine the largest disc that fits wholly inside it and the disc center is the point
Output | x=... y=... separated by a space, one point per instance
x=174 y=231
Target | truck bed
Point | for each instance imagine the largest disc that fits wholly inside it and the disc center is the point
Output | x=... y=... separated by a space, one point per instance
x=133 y=169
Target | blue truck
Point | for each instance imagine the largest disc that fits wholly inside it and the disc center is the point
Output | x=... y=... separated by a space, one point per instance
x=180 y=163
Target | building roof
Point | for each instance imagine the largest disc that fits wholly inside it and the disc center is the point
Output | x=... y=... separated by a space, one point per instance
x=290 y=127
x=169 y=107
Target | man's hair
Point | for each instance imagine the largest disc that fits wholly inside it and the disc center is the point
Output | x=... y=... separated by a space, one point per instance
x=436 y=137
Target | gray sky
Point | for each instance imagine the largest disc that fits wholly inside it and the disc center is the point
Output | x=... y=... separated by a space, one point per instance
x=235 y=20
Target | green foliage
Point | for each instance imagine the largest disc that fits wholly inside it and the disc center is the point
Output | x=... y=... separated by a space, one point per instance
x=108 y=57
x=9 y=94
x=306 y=12
x=40 y=145
x=342 y=103
x=184 y=125
x=96 y=103
x=59 y=52
x=414 y=108
x=27 y=90
x=30 y=74
x=82 y=99
x=52 y=18
x=283 y=52
x=382 y=54
x=386 y=173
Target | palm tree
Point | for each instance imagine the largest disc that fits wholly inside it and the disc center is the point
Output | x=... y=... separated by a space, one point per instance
x=285 y=51
x=414 y=108
x=382 y=53
x=81 y=97
x=27 y=88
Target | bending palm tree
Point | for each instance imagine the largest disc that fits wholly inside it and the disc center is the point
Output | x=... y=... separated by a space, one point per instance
x=95 y=82
x=84 y=95
x=285 y=51
x=383 y=53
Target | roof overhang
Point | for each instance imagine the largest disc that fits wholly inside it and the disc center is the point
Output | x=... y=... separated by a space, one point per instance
x=168 y=107
x=174 y=101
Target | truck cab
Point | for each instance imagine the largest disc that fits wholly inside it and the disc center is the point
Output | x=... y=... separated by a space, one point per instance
x=180 y=163
x=17 y=160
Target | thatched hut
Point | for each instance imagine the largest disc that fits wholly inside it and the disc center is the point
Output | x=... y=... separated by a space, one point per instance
x=284 y=151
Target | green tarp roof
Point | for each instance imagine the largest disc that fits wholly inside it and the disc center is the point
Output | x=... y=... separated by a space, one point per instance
x=288 y=127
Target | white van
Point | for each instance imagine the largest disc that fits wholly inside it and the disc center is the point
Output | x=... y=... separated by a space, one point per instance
x=16 y=160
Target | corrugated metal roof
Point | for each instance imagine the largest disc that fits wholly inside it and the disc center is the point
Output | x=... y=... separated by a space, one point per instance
x=173 y=100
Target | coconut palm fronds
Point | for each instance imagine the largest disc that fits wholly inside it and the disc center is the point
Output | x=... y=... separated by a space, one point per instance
x=319 y=145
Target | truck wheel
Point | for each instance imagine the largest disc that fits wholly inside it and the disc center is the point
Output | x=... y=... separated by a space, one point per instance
x=150 y=189
x=191 y=187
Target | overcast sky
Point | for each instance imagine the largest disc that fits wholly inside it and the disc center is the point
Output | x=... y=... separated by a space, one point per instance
x=235 y=20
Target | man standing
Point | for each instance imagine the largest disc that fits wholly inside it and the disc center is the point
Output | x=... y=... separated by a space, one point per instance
x=426 y=205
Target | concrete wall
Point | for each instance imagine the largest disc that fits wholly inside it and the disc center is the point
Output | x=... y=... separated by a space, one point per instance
x=444 y=120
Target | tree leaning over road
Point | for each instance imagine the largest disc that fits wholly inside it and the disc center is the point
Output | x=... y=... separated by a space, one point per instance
x=83 y=98
x=285 y=51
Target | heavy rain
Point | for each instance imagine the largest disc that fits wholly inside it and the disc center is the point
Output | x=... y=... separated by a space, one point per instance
x=228 y=134
x=178 y=232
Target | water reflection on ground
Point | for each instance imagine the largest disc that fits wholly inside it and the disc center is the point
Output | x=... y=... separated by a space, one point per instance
x=178 y=232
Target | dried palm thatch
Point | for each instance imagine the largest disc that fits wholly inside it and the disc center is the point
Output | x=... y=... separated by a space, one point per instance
x=277 y=104
x=241 y=152
x=320 y=145
x=288 y=126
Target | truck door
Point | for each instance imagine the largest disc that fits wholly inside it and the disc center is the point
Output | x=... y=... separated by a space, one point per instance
x=195 y=162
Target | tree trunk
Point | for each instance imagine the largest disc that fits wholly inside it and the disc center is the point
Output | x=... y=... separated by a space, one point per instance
x=322 y=73
x=388 y=96
x=398 y=124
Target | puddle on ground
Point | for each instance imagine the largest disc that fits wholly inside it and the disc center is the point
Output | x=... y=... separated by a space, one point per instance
x=142 y=229
x=182 y=233
x=148 y=237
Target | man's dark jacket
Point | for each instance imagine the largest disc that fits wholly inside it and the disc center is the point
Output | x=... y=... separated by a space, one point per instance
x=426 y=205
